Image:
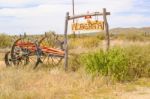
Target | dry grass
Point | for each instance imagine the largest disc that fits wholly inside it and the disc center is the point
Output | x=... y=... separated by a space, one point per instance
x=25 y=83
x=2 y=56
x=54 y=84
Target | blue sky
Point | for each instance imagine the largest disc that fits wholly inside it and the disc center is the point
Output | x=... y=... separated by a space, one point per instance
x=39 y=16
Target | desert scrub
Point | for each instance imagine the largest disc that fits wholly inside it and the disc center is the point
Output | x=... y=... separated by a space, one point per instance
x=133 y=36
x=74 y=43
x=74 y=62
x=5 y=41
x=112 y=63
x=122 y=64
x=138 y=60
x=90 y=42
x=101 y=36
x=85 y=42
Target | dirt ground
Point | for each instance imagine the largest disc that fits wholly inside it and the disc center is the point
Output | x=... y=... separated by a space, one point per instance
x=140 y=93
x=2 y=64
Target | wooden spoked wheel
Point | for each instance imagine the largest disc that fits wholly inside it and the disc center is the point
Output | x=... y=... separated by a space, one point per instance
x=8 y=60
x=22 y=52
x=52 y=50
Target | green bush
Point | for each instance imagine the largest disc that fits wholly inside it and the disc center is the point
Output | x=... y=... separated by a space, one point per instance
x=5 y=41
x=138 y=61
x=113 y=63
x=121 y=64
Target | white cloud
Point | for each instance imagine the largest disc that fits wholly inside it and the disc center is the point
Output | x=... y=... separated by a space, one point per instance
x=128 y=21
x=14 y=1
x=50 y=14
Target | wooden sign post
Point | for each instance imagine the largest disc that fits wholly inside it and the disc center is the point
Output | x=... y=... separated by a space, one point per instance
x=106 y=26
x=66 y=41
x=106 y=29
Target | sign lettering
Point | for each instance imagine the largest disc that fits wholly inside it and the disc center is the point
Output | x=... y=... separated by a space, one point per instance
x=89 y=25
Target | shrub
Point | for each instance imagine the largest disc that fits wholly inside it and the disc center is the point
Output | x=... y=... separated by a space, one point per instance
x=74 y=62
x=113 y=63
x=5 y=41
x=138 y=61
x=119 y=63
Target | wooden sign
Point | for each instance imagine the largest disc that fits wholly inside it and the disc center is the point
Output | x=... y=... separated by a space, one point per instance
x=88 y=17
x=89 y=25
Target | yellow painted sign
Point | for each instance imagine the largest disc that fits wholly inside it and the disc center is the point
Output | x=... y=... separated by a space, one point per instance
x=89 y=25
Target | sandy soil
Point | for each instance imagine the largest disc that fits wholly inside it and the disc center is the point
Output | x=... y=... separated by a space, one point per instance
x=141 y=93
x=2 y=64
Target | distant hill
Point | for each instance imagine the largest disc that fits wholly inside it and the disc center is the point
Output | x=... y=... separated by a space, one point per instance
x=130 y=30
x=121 y=31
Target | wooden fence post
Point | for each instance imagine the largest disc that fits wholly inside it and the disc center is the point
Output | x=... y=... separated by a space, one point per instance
x=106 y=29
x=66 y=42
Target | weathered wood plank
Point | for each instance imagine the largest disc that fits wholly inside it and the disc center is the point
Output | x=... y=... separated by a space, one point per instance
x=106 y=29
x=66 y=42
x=89 y=14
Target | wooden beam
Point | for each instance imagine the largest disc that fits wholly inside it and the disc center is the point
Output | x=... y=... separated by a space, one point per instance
x=89 y=14
x=66 y=42
x=106 y=29
x=73 y=13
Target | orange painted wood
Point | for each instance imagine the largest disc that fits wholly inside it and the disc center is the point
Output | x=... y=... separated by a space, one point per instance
x=52 y=49
x=31 y=46
x=52 y=52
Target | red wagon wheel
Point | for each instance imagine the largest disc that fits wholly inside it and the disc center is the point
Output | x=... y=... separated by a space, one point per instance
x=22 y=52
